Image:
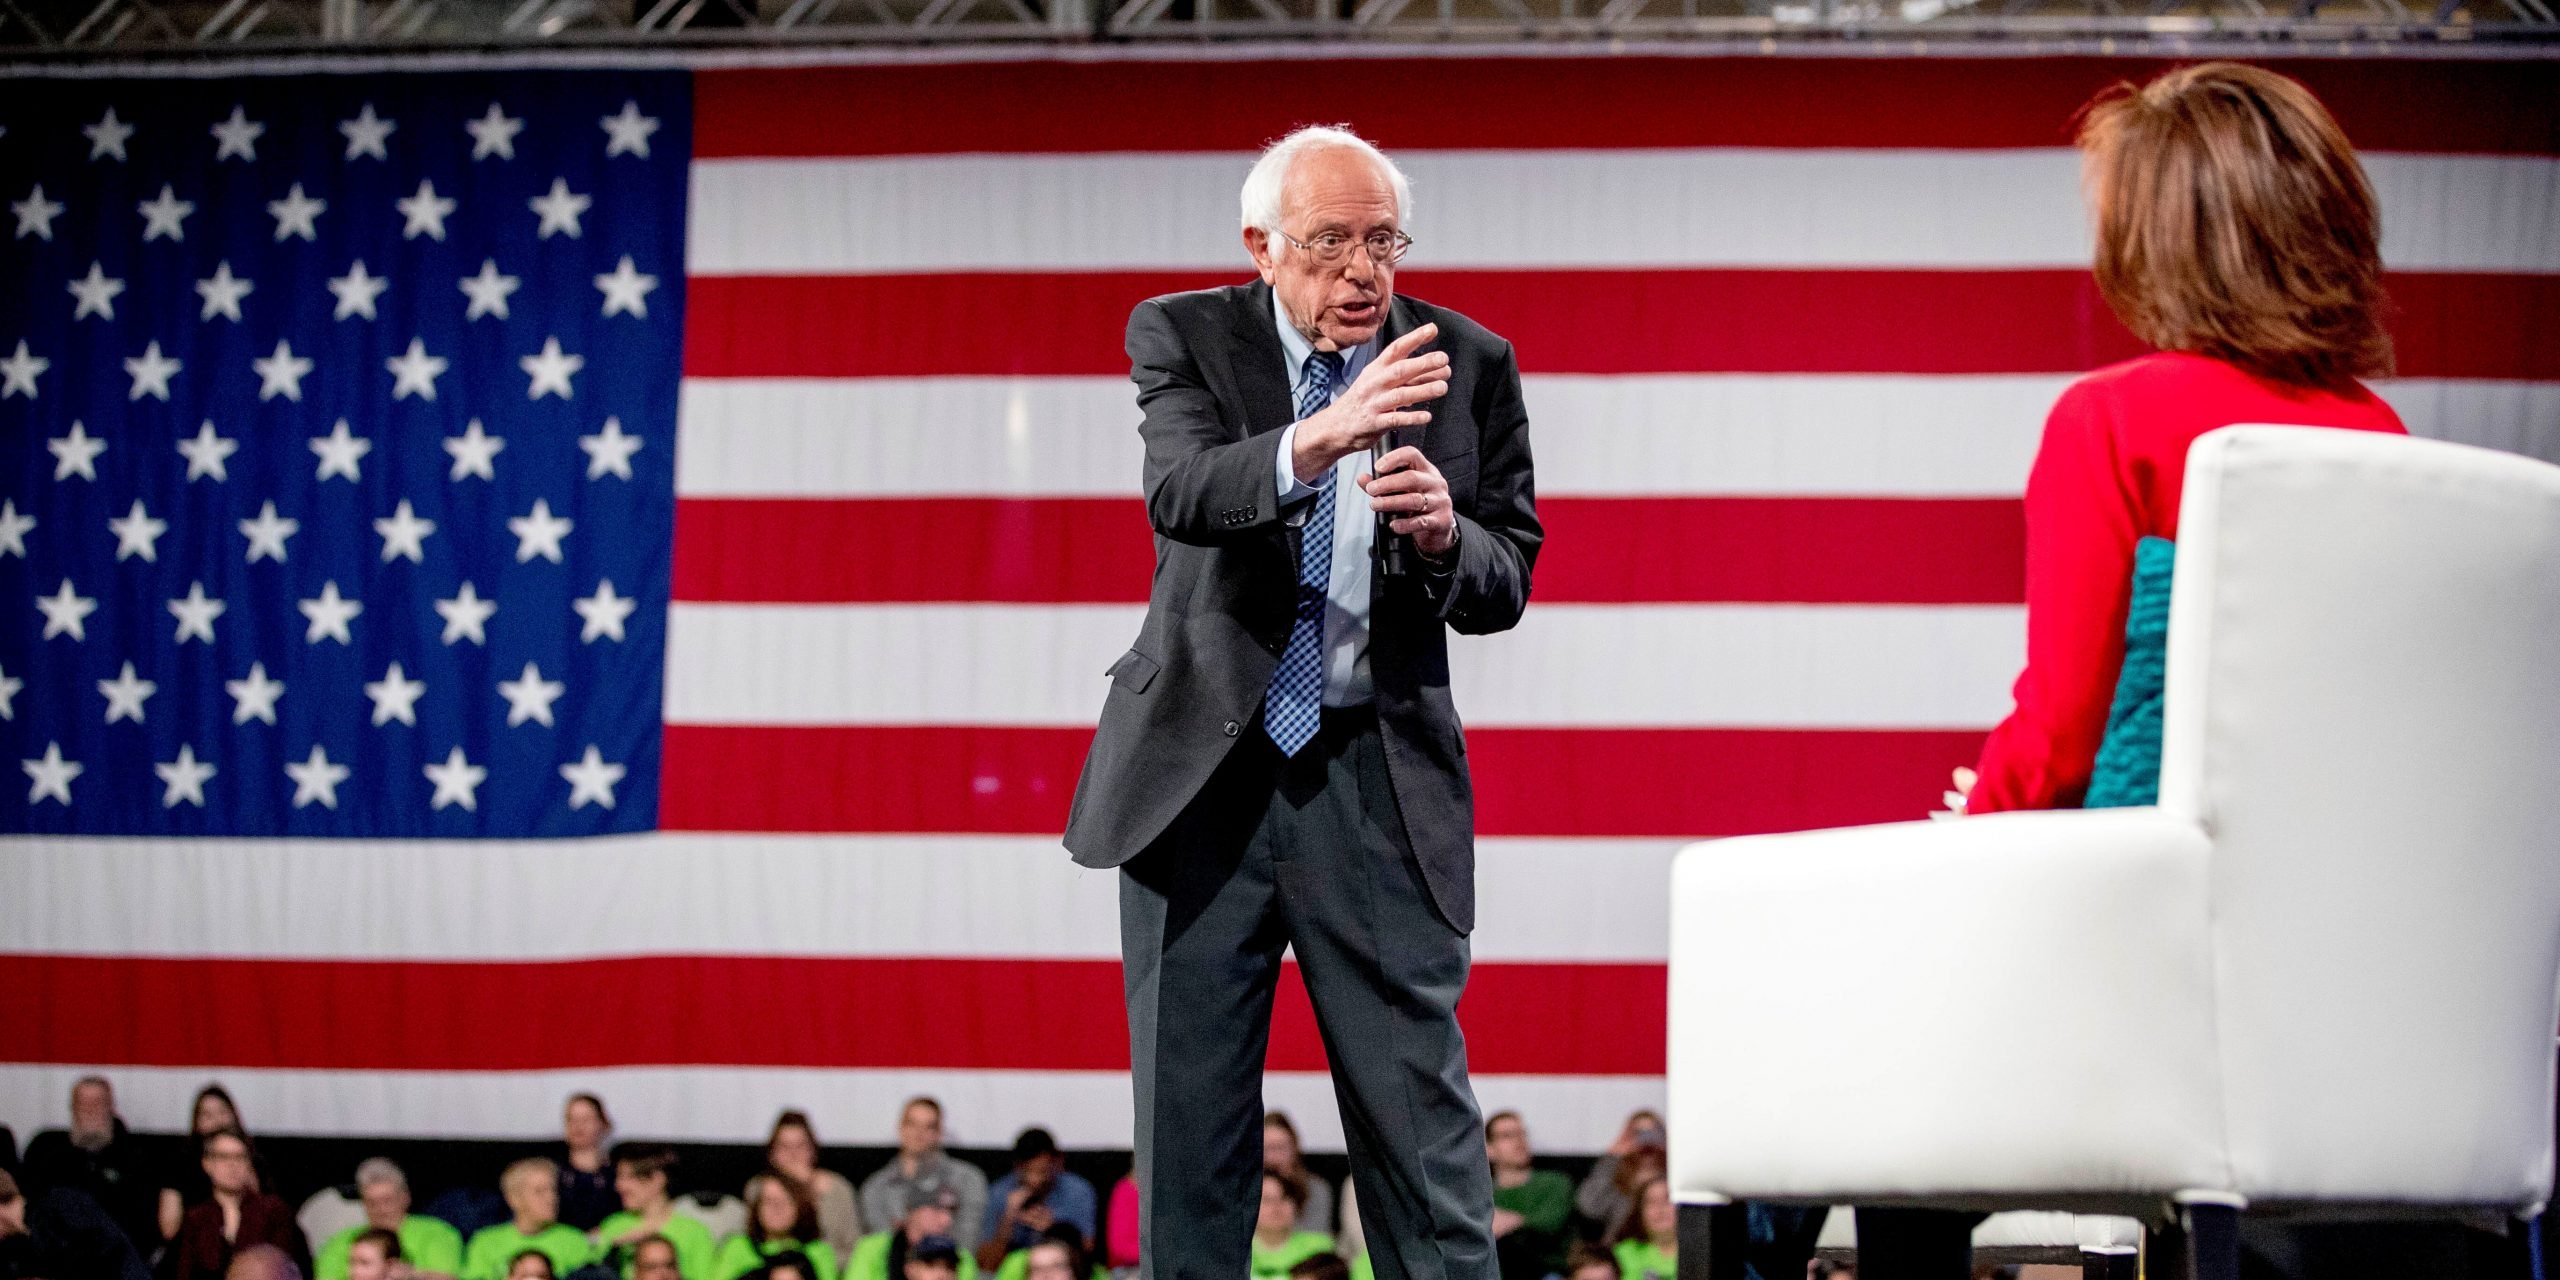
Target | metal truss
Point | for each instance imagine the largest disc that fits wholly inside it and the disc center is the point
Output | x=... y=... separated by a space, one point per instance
x=46 y=30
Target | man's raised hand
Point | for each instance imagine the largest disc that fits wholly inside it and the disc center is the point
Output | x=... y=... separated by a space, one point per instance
x=1385 y=397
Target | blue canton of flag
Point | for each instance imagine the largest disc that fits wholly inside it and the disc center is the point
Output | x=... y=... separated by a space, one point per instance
x=340 y=463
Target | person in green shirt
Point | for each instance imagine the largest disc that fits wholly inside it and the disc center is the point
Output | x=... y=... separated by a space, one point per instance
x=782 y=1218
x=1648 y=1239
x=371 y=1254
x=641 y=1173
x=1277 y=1243
x=887 y=1255
x=1058 y=1254
x=431 y=1248
x=1530 y=1205
x=532 y=1189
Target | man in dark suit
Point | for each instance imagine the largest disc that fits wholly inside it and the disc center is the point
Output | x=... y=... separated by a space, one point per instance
x=1279 y=762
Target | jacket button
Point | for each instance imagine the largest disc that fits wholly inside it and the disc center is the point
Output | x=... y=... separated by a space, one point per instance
x=1233 y=728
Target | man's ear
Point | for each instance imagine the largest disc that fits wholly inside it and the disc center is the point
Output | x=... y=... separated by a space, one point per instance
x=1258 y=243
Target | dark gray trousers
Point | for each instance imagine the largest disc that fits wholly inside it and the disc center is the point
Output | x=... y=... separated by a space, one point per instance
x=1308 y=853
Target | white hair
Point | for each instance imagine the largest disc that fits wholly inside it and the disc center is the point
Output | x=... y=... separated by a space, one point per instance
x=380 y=1170
x=1267 y=183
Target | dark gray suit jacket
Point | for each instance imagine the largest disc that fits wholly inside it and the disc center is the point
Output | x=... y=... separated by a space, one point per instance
x=1213 y=383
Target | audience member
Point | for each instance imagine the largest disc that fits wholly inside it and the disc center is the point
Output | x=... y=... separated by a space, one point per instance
x=1587 y=1261
x=642 y=1173
x=263 y=1262
x=184 y=1186
x=885 y=1254
x=532 y=1264
x=1120 y=1224
x=61 y=1234
x=935 y=1258
x=1281 y=1150
x=922 y=1164
x=375 y=1254
x=1321 y=1266
x=1059 y=1254
x=586 y=1173
x=1604 y=1195
x=1024 y=1204
x=532 y=1189
x=239 y=1216
x=654 y=1258
x=782 y=1219
x=1530 y=1206
x=1647 y=1240
x=429 y=1246
x=786 y=1266
x=793 y=1149
x=1278 y=1244
x=99 y=1158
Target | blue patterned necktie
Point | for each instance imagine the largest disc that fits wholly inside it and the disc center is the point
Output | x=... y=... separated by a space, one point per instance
x=1294 y=705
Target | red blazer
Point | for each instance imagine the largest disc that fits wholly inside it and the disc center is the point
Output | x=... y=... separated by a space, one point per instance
x=200 y=1252
x=2109 y=473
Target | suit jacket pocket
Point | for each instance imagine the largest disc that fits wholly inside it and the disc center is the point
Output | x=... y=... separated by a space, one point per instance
x=1133 y=672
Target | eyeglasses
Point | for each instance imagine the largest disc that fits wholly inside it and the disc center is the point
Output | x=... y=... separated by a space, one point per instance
x=1333 y=248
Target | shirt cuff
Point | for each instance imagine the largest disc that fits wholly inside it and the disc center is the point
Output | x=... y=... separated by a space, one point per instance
x=1291 y=488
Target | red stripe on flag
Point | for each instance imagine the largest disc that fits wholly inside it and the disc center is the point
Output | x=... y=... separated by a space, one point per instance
x=1581 y=321
x=1099 y=550
x=1407 y=102
x=752 y=1011
x=1529 y=782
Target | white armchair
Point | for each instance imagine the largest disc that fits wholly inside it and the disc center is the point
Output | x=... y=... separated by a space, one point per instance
x=2322 y=975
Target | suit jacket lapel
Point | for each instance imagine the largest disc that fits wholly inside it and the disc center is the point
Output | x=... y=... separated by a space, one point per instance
x=1261 y=364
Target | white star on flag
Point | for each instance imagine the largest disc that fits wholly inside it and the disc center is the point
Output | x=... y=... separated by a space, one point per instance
x=75 y=454
x=254 y=698
x=49 y=776
x=316 y=779
x=457 y=779
x=185 y=777
x=222 y=292
x=395 y=697
x=18 y=372
x=366 y=133
x=297 y=215
x=356 y=291
x=107 y=136
x=404 y=535
x=237 y=136
x=138 y=534
x=36 y=214
x=550 y=370
x=267 y=532
x=604 y=612
x=329 y=613
x=529 y=696
x=207 y=452
x=340 y=453
x=465 y=615
x=488 y=291
x=475 y=452
x=125 y=695
x=609 y=451
x=494 y=134
x=95 y=294
x=14 y=529
x=414 y=372
x=590 y=778
x=626 y=290
x=538 y=533
x=281 y=374
x=151 y=373
x=425 y=212
x=195 y=614
x=559 y=209
x=9 y=686
x=628 y=133
x=66 y=612
x=165 y=216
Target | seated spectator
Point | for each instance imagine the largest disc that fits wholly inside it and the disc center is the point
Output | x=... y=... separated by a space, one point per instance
x=1038 y=1194
x=654 y=1258
x=586 y=1173
x=1586 y=1261
x=923 y=1167
x=1647 y=1240
x=532 y=1189
x=185 y=1187
x=935 y=1258
x=1321 y=1266
x=532 y=1264
x=884 y=1254
x=430 y=1247
x=237 y=1217
x=61 y=1235
x=1059 y=1254
x=262 y=1262
x=642 y=1173
x=788 y=1266
x=99 y=1158
x=375 y=1254
x=1280 y=1150
x=1120 y=1224
x=793 y=1149
x=1603 y=1197
x=1278 y=1244
x=782 y=1221
x=1530 y=1205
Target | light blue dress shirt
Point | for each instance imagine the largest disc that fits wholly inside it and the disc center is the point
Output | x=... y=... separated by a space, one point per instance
x=1346 y=615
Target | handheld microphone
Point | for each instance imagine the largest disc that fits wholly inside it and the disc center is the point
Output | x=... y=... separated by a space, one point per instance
x=1392 y=554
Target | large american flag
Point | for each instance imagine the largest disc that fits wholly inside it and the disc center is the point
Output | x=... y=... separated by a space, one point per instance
x=531 y=579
